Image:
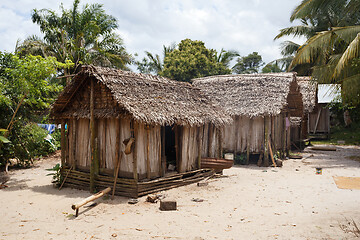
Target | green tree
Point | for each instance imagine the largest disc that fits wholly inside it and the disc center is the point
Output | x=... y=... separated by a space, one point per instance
x=192 y=60
x=84 y=37
x=27 y=89
x=248 y=64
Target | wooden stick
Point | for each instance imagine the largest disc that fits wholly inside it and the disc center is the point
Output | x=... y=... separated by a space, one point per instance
x=135 y=168
x=271 y=154
x=317 y=121
x=67 y=174
x=266 y=139
x=116 y=175
x=76 y=206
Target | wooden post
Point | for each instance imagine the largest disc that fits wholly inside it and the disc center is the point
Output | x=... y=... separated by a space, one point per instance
x=177 y=150
x=266 y=139
x=63 y=143
x=92 y=138
x=248 y=141
x=148 y=167
x=284 y=136
x=135 y=173
x=74 y=143
x=200 y=135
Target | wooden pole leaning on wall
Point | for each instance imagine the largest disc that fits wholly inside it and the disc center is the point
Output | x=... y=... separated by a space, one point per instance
x=76 y=206
x=92 y=138
x=63 y=143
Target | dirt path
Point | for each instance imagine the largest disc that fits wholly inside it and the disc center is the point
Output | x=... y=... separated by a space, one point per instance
x=248 y=202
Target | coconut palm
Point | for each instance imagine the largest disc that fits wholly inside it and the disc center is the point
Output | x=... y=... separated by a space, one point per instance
x=334 y=52
x=225 y=57
x=84 y=37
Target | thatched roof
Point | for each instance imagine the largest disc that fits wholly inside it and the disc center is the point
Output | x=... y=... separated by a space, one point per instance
x=250 y=95
x=308 y=91
x=146 y=98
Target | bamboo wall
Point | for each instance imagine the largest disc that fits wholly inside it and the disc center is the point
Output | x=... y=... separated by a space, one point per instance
x=147 y=150
x=244 y=133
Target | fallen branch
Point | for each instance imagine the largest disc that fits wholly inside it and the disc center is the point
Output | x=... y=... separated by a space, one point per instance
x=76 y=206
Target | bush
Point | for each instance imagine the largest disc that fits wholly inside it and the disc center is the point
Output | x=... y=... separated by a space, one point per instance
x=27 y=143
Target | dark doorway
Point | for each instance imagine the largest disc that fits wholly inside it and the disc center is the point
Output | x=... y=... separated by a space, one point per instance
x=170 y=150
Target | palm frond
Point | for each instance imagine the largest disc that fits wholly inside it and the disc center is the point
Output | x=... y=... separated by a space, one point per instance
x=296 y=31
x=352 y=51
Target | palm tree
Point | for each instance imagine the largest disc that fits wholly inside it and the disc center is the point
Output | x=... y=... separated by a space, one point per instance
x=334 y=53
x=225 y=57
x=84 y=37
x=153 y=63
x=315 y=16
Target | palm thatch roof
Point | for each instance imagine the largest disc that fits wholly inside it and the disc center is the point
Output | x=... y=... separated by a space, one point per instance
x=308 y=91
x=252 y=95
x=145 y=98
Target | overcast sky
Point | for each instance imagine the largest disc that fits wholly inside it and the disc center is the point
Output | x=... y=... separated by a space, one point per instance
x=242 y=25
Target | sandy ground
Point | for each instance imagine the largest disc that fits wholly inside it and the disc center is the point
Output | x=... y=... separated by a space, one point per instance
x=248 y=202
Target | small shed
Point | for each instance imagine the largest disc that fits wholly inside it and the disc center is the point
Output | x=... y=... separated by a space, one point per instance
x=260 y=105
x=133 y=128
x=299 y=125
x=319 y=119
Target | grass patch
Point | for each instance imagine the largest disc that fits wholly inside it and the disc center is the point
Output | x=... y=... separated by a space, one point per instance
x=342 y=136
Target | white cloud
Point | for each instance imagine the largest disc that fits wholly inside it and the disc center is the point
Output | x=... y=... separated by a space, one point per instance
x=243 y=25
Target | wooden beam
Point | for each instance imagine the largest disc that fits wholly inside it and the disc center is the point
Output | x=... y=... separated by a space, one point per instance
x=92 y=137
x=317 y=121
x=271 y=154
x=160 y=153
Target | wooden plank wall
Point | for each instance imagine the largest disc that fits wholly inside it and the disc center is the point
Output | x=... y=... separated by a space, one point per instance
x=324 y=120
x=189 y=149
x=237 y=135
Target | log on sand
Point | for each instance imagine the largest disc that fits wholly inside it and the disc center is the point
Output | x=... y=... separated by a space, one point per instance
x=76 y=206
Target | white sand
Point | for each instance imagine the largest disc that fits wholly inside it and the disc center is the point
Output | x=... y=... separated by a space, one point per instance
x=247 y=203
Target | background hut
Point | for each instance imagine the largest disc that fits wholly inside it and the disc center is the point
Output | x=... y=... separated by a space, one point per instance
x=299 y=125
x=319 y=119
x=105 y=110
x=260 y=105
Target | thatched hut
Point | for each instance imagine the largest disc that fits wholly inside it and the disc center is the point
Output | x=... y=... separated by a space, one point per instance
x=260 y=104
x=299 y=125
x=319 y=118
x=133 y=126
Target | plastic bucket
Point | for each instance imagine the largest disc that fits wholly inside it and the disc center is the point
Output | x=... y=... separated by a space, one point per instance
x=229 y=156
x=319 y=171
